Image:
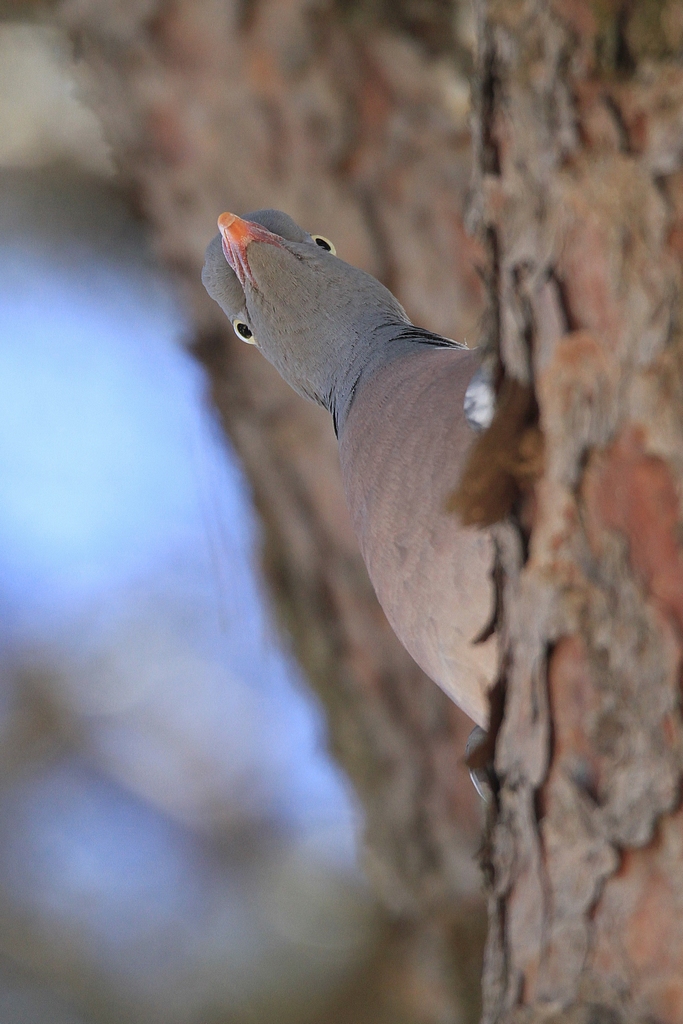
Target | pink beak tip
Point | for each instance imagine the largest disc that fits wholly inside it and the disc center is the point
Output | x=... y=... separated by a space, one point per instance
x=225 y=222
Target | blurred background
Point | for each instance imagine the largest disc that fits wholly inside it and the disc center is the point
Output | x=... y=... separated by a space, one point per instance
x=176 y=842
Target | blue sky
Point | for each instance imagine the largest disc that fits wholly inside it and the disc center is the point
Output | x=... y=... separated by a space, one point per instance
x=99 y=416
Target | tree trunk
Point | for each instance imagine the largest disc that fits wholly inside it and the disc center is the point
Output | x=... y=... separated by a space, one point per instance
x=579 y=151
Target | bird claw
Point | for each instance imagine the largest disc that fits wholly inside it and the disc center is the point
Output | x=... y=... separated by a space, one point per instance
x=481 y=777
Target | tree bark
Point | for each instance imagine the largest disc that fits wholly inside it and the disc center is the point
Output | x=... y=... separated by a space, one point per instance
x=579 y=151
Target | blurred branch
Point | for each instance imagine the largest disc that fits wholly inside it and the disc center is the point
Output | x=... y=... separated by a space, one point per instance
x=211 y=105
x=26 y=10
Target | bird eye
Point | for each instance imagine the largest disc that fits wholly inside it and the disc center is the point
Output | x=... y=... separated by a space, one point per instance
x=324 y=243
x=243 y=332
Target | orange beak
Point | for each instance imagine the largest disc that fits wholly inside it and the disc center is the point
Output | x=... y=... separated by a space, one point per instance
x=236 y=235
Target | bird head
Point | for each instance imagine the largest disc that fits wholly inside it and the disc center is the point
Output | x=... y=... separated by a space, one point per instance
x=313 y=316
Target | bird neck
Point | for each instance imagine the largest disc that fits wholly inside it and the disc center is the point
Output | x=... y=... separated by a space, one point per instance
x=375 y=349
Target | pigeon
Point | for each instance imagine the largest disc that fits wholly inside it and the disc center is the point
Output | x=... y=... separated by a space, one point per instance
x=396 y=393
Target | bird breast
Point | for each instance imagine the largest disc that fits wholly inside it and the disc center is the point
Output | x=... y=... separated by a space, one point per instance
x=402 y=450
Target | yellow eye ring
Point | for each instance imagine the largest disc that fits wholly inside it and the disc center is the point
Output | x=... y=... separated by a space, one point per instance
x=324 y=243
x=243 y=331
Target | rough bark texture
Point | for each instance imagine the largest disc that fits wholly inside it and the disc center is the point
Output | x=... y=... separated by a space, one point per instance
x=579 y=150
x=359 y=132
